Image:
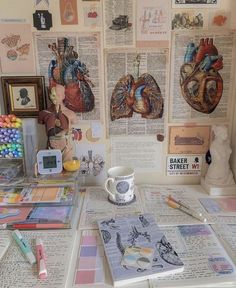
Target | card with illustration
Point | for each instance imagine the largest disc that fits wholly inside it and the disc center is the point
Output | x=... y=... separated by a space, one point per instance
x=139 y=257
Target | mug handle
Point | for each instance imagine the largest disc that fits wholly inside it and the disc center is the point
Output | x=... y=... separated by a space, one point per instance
x=109 y=192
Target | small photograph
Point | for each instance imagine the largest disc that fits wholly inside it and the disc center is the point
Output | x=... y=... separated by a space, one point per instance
x=188 y=19
x=121 y=22
x=23 y=96
x=189 y=140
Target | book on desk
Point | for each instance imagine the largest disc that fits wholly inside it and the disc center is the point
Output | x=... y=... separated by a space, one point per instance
x=136 y=249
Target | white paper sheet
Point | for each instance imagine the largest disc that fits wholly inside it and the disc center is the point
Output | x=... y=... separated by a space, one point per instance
x=15 y=270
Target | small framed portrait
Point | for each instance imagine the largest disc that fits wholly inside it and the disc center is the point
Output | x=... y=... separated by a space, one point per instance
x=23 y=96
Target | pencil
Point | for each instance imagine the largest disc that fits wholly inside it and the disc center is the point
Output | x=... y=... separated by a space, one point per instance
x=190 y=212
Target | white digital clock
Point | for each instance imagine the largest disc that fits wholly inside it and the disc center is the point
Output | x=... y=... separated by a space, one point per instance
x=49 y=161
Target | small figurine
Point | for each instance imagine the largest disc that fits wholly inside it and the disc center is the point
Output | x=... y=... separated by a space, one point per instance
x=219 y=172
x=58 y=120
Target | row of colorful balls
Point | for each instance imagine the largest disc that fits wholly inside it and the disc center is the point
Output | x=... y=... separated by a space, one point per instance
x=10 y=121
x=10 y=135
x=11 y=150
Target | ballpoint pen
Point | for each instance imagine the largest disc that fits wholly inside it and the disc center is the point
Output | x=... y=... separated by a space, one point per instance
x=24 y=246
x=42 y=271
x=190 y=212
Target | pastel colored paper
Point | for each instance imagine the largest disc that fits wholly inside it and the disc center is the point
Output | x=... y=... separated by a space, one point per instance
x=8 y=212
x=68 y=11
x=219 y=205
x=16 y=48
x=90 y=260
x=21 y=216
x=53 y=213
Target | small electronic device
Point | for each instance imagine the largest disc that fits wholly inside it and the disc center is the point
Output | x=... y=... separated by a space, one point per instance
x=49 y=161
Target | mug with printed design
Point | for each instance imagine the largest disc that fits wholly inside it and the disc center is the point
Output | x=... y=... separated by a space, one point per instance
x=120 y=185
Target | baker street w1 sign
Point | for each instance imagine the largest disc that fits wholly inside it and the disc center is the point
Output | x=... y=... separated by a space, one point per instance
x=184 y=165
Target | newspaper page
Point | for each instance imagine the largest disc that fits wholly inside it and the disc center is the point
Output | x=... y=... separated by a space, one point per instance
x=145 y=154
x=96 y=207
x=227 y=235
x=87 y=45
x=123 y=65
x=195 y=3
x=119 y=23
x=189 y=89
x=17 y=272
x=154 y=199
x=153 y=23
x=206 y=263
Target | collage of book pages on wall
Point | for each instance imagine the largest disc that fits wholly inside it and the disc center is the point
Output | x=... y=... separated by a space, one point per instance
x=117 y=143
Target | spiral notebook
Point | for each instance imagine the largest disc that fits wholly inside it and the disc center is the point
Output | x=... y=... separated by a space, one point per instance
x=136 y=249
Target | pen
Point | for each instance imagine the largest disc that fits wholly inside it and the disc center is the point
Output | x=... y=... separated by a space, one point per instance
x=187 y=211
x=24 y=246
x=42 y=271
x=178 y=202
x=38 y=225
x=181 y=203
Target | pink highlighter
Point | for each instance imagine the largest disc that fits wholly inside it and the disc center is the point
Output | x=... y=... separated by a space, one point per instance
x=40 y=255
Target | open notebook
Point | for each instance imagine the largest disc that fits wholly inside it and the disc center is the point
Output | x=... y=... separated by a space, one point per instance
x=136 y=249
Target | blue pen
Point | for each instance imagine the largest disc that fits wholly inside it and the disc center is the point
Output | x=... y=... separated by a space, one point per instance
x=24 y=246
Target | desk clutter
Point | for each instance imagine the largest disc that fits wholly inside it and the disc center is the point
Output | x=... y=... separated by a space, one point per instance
x=111 y=243
x=38 y=205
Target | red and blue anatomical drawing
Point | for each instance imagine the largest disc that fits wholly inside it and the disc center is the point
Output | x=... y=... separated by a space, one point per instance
x=200 y=80
x=66 y=69
x=134 y=93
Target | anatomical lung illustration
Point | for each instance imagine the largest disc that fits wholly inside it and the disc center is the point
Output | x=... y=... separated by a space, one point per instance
x=139 y=94
x=201 y=84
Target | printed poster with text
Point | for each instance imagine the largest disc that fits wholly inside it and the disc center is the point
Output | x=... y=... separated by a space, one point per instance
x=201 y=86
x=136 y=85
x=153 y=22
x=73 y=59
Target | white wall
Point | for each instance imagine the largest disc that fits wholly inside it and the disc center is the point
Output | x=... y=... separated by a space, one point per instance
x=23 y=9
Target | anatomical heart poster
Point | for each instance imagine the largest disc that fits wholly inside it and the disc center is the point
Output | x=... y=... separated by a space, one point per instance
x=136 y=87
x=72 y=60
x=16 y=50
x=202 y=82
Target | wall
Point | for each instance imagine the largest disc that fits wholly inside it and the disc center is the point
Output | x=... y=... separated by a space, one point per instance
x=24 y=9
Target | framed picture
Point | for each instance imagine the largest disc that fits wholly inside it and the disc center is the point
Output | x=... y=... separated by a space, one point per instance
x=23 y=96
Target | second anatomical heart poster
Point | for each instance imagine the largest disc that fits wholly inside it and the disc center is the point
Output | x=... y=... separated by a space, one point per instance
x=202 y=76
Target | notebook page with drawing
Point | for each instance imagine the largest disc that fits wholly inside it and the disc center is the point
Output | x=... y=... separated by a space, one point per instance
x=140 y=231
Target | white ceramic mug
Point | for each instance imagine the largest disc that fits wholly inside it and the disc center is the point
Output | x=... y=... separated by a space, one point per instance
x=120 y=185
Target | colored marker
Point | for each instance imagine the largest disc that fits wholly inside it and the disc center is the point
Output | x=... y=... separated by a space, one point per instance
x=42 y=271
x=24 y=246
